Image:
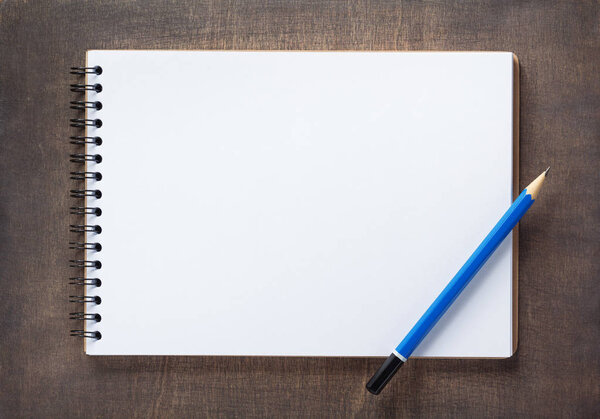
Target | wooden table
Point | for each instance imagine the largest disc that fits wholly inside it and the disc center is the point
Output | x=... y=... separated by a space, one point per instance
x=556 y=372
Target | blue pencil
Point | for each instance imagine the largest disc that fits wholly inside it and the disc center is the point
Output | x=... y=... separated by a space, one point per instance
x=462 y=278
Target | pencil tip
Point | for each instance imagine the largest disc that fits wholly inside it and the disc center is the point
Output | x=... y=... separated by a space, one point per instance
x=547 y=170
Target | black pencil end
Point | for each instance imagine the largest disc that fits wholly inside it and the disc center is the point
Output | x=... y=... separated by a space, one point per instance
x=384 y=374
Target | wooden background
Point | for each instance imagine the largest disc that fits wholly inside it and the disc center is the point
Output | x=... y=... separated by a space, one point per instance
x=556 y=372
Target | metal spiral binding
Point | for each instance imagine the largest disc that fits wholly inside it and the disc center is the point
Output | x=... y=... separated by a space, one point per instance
x=86 y=175
x=85 y=299
x=82 y=122
x=82 y=263
x=85 y=334
x=82 y=158
x=86 y=210
x=85 y=246
x=82 y=105
x=80 y=88
x=80 y=315
x=86 y=70
x=93 y=282
x=81 y=140
x=83 y=191
x=85 y=228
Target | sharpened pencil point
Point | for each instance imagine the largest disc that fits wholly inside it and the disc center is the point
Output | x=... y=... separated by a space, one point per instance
x=547 y=170
x=534 y=187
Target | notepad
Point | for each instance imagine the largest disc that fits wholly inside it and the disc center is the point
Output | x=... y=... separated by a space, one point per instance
x=298 y=203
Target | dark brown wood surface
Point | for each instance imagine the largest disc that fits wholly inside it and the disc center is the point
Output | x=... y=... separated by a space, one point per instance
x=556 y=372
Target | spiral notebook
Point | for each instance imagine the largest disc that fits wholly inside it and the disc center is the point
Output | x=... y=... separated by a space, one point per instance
x=290 y=203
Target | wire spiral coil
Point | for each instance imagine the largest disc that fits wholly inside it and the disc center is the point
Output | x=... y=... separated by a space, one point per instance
x=93 y=282
x=82 y=193
x=86 y=210
x=85 y=299
x=82 y=263
x=84 y=190
x=80 y=315
x=85 y=228
x=82 y=158
x=83 y=122
x=85 y=246
x=85 y=334
x=86 y=175
x=81 y=88
x=86 y=70
x=81 y=140
x=82 y=105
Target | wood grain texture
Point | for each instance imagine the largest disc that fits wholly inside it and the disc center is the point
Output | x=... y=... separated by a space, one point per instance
x=43 y=372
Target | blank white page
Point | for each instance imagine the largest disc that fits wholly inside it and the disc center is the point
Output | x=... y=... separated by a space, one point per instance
x=299 y=203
